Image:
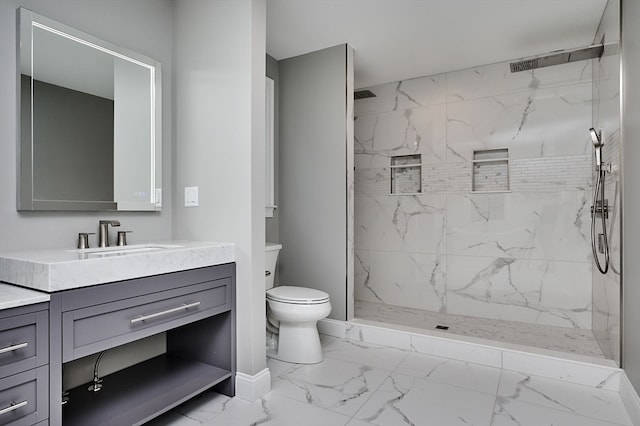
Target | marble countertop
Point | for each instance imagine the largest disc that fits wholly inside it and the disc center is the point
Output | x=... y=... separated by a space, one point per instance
x=12 y=296
x=63 y=269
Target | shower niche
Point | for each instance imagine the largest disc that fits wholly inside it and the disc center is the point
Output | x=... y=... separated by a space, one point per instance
x=490 y=170
x=406 y=174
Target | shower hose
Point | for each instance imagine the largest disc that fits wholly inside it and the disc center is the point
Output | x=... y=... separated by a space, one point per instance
x=598 y=195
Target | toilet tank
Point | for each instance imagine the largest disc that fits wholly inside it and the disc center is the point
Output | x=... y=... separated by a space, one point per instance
x=271 y=257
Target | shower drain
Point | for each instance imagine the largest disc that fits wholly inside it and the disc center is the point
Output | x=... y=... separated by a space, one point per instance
x=442 y=327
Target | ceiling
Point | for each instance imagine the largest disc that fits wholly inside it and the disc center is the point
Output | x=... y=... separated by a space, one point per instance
x=399 y=39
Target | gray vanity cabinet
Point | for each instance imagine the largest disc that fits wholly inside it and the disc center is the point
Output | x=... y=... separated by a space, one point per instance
x=24 y=369
x=195 y=308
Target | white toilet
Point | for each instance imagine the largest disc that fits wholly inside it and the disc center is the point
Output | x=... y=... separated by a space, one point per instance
x=292 y=314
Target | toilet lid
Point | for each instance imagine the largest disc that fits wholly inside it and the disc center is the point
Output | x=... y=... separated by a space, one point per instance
x=291 y=294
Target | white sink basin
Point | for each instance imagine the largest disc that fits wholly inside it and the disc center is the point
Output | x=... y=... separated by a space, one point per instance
x=124 y=250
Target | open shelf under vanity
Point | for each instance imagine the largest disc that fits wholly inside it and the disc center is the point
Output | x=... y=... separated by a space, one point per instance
x=139 y=393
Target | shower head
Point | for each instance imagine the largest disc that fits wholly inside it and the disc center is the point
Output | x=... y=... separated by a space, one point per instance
x=595 y=138
x=363 y=94
x=558 y=57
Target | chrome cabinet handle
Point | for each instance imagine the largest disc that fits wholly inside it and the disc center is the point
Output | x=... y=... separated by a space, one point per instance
x=12 y=407
x=13 y=348
x=167 y=312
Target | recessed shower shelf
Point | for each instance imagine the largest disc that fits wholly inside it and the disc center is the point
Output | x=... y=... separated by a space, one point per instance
x=406 y=174
x=490 y=172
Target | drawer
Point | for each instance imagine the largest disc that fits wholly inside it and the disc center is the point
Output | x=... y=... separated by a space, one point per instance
x=23 y=342
x=96 y=328
x=24 y=397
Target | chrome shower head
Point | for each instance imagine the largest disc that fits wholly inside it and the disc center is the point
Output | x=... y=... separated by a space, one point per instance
x=595 y=138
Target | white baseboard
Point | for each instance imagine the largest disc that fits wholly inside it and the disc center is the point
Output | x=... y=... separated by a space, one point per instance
x=630 y=399
x=252 y=388
x=332 y=327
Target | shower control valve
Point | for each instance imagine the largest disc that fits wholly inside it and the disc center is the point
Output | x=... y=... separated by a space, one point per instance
x=601 y=208
x=605 y=167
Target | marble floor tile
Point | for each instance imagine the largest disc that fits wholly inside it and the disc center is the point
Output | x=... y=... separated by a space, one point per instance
x=358 y=422
x=364 y=353
x=558 y=395
x=521 y=414
x=277 y=367
x=333 y=384
x=403 y=388
x=199 y=410
x=456 y=373
x=408 y=400
x=570 y=340
x=277 y=410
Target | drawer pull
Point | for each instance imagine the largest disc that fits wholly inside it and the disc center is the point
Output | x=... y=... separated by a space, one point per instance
x=12 y=407
x=13 y=348
x=167 y=312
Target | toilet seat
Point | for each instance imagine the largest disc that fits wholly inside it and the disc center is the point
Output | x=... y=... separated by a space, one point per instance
x=297 y=295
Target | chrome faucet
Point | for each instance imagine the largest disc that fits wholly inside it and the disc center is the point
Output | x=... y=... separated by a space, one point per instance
x=103 y=235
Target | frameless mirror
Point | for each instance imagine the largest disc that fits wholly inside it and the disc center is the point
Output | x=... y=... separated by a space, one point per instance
x=89 y=121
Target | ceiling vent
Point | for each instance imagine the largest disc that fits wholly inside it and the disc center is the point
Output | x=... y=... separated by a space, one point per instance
x=363 y=94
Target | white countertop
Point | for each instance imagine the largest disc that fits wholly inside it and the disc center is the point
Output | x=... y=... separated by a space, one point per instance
x=61 y=269
x=12 y=296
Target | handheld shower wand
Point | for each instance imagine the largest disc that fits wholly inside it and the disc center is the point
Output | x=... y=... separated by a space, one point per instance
x=596 y=138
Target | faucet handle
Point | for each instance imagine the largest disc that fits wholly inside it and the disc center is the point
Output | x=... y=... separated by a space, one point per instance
x=122 y=238
x=83 y=239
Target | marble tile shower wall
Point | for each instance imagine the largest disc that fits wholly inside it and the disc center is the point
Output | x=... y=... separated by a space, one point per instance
x=521 y=255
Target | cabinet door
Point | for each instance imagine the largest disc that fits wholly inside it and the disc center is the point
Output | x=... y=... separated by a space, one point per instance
x=24 y=397
x=23 y=342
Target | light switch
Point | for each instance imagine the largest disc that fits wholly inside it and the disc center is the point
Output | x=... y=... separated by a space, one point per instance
x=191 y=196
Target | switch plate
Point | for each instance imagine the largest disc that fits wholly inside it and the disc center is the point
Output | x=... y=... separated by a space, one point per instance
x=191 y=196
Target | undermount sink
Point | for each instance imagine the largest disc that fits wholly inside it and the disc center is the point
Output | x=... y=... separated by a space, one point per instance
x=123 y=250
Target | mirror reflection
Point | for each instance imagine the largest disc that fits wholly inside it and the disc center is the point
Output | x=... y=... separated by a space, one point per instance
x=89 y=121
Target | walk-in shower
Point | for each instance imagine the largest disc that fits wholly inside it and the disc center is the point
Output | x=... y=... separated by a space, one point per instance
x=507 y=264
x=600 y=207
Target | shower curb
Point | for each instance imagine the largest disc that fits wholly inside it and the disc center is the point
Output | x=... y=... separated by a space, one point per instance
x=630 y=398
x=583 y=370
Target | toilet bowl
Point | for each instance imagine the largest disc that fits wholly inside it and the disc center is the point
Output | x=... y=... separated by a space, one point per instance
x=292 y=315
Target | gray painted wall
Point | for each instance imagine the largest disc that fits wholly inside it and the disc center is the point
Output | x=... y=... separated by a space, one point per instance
x=220 y=52
x=144 y=26
x=630 y=10
x=313 y=167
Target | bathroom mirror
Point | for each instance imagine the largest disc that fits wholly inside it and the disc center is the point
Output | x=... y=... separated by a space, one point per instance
x=89 y=121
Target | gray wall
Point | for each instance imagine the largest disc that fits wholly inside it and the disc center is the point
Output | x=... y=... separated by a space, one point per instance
x=313 y=167
x=630 y=130
x=220 y=135
x=144 y=26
